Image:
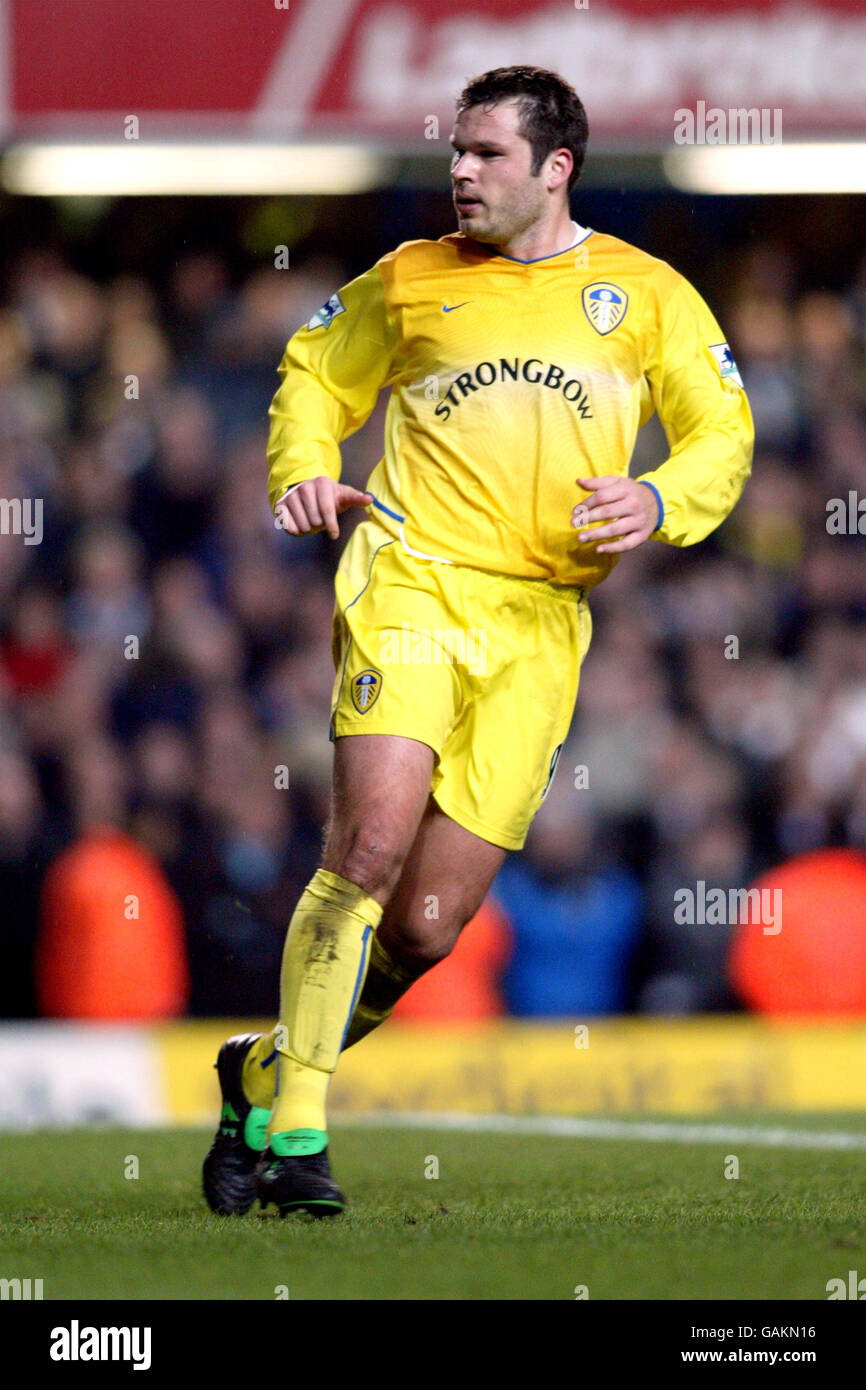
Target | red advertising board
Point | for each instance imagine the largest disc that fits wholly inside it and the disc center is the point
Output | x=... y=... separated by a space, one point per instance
x=360 y=67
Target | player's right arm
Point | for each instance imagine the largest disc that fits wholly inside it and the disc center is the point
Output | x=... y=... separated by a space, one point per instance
x=315 y=504
x=330 y=377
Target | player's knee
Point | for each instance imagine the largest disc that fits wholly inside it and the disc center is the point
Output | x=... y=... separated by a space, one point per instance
x=370 y=861
x=418 y=946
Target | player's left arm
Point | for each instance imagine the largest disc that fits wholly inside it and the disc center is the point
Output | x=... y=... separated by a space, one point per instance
x=635 y=509
x=697 y=392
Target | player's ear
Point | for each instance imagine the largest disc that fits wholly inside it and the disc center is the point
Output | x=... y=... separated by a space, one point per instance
x=560 y=164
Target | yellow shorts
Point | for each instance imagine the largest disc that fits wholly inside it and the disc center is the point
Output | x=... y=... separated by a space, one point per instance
x=482 y=667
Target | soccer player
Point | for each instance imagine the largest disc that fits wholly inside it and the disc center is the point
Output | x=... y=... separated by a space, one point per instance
x=523 y=353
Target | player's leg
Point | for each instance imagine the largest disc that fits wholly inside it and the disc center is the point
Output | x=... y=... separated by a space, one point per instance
x=446 y=863
x=380 y=790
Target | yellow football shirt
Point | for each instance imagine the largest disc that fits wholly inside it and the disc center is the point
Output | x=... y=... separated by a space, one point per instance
x=509 y=380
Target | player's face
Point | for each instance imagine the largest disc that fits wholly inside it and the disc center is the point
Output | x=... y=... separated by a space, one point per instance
x=495 y=193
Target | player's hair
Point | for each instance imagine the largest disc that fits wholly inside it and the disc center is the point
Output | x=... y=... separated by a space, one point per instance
x=551 y=113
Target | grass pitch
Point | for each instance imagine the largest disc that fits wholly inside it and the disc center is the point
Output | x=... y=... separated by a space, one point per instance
x=509 y=1217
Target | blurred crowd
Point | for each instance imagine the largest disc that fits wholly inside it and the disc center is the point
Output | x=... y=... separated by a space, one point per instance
x=165 y=651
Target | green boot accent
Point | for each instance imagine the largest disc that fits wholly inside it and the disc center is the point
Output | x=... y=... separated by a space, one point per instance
x=293 y=1142
x=228 y=1119
x=256 y=1128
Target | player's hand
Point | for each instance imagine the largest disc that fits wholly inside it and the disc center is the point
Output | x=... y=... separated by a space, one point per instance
x=315 y=505
x=631 y=508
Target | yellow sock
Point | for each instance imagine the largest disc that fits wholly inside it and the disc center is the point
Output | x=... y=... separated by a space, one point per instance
x=386 y=982
x=324 y=965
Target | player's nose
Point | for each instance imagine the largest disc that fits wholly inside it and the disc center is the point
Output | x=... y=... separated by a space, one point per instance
x=463 y=184
x=462 y=166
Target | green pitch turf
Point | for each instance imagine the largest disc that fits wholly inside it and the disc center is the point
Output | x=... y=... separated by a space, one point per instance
x=509 y=1217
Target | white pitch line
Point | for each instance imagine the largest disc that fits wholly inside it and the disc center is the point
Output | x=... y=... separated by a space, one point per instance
x=571 y=1127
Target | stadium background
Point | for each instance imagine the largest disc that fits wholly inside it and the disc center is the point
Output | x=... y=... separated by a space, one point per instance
x=139 y=336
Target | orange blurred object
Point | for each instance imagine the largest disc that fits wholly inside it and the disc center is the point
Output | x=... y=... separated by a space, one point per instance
x=816 y=963
x=465 y=985
x=111 y=941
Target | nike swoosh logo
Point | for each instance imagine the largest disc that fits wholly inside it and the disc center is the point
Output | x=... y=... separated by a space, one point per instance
x=447 y=308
